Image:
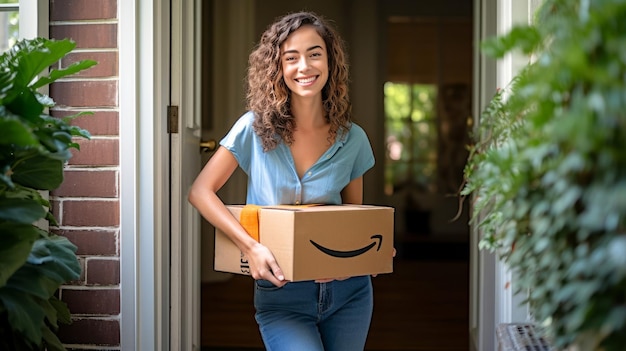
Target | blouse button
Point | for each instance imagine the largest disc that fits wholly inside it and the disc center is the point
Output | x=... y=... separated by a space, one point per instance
x=309 y=173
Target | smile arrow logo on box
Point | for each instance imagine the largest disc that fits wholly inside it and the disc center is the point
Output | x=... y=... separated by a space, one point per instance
x=351 y=253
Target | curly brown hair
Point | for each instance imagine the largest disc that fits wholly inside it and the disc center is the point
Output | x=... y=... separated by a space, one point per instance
x=269 y=97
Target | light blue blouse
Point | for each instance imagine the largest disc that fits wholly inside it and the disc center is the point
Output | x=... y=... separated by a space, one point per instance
x=272 y=175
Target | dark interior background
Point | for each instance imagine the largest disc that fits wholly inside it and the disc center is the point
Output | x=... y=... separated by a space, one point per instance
x=423 y=305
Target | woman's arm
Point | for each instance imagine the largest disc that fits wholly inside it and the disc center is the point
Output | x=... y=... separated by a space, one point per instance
x=203 y=196
x=353 y=192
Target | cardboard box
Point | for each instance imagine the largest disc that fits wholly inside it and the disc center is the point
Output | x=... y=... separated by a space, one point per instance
x=316 y=242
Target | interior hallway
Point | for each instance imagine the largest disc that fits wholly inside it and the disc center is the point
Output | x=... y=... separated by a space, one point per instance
x=422 y=306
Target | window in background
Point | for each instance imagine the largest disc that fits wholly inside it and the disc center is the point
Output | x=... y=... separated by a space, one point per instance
x=411 y=137
x=9 y=23
x=427 y=102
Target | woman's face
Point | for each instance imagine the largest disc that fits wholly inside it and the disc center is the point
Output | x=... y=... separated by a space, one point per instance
x=305 y=62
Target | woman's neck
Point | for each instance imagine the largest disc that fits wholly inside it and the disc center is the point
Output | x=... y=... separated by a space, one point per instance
x=308 y=113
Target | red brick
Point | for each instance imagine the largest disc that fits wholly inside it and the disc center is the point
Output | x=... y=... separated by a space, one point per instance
x=81 y=280
x=92 y=36
x=93 y=302
x=97 y=124
x=88 y=184
x=96 y=152
x=68 y=10
x=102 y=272
x=107 y=65
x=90 y=213
x=91 y=331
x=92 y=242
x=85 y=93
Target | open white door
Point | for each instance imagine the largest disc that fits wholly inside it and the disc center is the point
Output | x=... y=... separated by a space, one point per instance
x=230 y=26
x=185 y=133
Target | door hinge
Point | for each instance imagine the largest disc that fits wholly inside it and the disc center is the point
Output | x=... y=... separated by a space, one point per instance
x=172 y=119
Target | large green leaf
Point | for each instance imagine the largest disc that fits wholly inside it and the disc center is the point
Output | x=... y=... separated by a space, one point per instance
x=35 y=55
x=51 y=263
x=69 y=70
x=22 y=192
x=56 y=142
x=28 y=296
x=5 y=176
x=6 y=83
x=44 y=100
x=63 y=313
x=16 y=242
x=13 y=131
x=55 y=311
x=24 y=313
x=38 y=171
x=25 y=104
x=55 y=256
x=33 y=150
x=30 y=280
x=75 y=130
x=52 y=341
x=19 y=210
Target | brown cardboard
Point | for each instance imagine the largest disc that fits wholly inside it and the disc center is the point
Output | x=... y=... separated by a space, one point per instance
x=357 y=240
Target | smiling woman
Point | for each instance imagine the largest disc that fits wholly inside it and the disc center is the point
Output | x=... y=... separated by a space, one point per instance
x=298 y=145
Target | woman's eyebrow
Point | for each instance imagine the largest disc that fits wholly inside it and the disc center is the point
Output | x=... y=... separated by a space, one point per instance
x=296 y=51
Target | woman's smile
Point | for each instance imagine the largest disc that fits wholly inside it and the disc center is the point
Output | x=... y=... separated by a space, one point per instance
x=307 y=80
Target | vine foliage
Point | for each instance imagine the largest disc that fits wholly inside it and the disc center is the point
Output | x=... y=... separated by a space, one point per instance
x=547 y=171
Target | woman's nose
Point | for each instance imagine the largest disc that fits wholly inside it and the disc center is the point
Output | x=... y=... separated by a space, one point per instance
x=303 y=64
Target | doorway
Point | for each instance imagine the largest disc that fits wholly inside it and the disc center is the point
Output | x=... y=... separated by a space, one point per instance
x=423 y=305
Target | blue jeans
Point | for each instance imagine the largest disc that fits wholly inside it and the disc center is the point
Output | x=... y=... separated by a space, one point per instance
x=309 y=316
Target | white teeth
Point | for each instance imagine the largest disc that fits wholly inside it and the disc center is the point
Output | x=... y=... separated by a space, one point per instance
x=306 y=80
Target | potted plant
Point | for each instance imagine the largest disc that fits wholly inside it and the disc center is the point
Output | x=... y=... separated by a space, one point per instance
x=34 y=147
x=547 y=172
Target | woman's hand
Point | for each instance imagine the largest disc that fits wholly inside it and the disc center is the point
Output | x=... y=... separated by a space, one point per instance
x=263 y=265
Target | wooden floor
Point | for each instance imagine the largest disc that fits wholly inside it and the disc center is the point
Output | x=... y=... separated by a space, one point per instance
x=422 y=306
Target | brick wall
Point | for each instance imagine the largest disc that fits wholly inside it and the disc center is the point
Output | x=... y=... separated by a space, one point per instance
x=87 y=203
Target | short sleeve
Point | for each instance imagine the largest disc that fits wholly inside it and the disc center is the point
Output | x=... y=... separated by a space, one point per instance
x=240 y=140
x=364 y=155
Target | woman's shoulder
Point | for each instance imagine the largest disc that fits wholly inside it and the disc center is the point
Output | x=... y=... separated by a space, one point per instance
x=246 y=118
x=355 y=131
x=244 y=122
x=241 y=130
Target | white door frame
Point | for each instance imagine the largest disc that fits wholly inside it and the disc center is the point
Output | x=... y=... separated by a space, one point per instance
x=492 y=298
x=143 y=37
x=185 y=159
x=482 y=263
x=159 y=307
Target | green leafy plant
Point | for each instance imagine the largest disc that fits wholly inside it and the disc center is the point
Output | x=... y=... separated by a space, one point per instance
x=547 y=172
x=34 y=147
